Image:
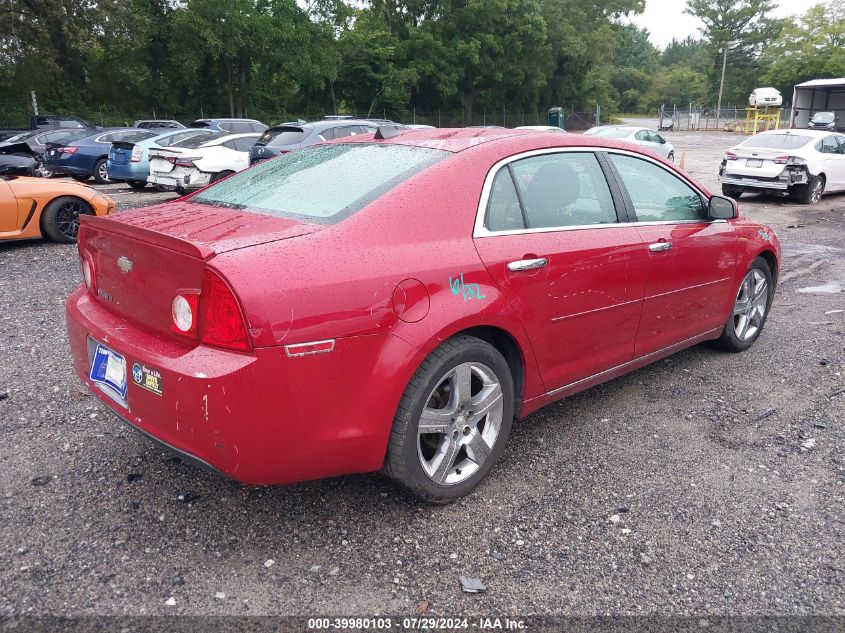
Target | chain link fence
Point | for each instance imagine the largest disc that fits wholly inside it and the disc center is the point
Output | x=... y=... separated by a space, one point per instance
x=732 y=118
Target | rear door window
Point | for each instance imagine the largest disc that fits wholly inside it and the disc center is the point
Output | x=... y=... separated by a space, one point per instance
x=828 y=145
x=245 y=143
x=321 y=184
x=565 y=189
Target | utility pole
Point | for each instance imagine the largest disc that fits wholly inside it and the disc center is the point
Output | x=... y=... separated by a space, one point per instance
x=722 y=82
x=34 y=103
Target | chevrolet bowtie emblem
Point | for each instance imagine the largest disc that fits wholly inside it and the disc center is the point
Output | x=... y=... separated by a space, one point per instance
x=124 y=263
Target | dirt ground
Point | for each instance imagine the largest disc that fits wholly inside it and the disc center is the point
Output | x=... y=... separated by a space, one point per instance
x=707 y=483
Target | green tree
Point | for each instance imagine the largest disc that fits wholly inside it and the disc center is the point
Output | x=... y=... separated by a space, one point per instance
x=744 y=29
x=812 y=48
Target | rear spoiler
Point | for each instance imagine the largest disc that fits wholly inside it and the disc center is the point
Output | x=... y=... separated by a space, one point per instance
x=109 y=225
x=123 y=144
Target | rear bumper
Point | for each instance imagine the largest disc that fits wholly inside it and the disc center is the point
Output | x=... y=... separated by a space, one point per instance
x=753 y=183
x=132 y=171
x=187 y=179
x=69 y=170
x=259 y=418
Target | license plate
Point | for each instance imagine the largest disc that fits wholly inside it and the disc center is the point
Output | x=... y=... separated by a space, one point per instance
x=754 y=162
x=51 y=152
x=108 y=368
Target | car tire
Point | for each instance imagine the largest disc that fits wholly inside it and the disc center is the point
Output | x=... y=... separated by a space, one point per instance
x=60 y=219
x=79 y=178
x=101 y=173
x=470 y=442
x=220 y=175
x=138 y=184
x=731 y=192
x=671 y=157
x=750 y=309
x=810 y=193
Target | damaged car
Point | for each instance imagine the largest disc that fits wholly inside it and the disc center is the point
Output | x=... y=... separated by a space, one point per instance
x=805 y=164
x=199 y=161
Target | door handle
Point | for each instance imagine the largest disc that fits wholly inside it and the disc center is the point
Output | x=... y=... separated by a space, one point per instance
x=659 y=246
x=527 y=264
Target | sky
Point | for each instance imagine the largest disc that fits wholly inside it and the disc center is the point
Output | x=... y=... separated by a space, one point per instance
x=665 y=19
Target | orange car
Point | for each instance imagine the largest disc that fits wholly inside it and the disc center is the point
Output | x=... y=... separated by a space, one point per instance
x=36 y=207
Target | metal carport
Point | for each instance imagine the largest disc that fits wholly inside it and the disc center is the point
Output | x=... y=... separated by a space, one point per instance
x=818 y=95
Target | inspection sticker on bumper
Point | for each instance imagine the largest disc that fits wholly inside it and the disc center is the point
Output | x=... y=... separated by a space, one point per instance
x=147 y=378
x=109 y=368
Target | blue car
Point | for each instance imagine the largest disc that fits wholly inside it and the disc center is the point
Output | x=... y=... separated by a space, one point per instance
x=129 y=161
x=88 y=157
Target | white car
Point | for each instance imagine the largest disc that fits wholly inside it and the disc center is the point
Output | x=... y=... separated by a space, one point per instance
x=540 y=128
x=765 y=98
x=804 y=163
x=639 y=135
x=191 y=165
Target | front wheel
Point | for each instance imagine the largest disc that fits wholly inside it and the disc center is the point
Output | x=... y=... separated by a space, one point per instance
x=731 y=192
x=751 y=307
x=453 y=421
x=60 y=220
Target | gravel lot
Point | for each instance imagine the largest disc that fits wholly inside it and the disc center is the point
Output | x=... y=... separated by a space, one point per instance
x=704 y=484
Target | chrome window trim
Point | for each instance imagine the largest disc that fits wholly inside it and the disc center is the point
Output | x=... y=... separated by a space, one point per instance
x=480 y=230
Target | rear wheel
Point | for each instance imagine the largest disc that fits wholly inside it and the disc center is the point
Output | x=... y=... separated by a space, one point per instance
x=671 y=157
x=138 y=184
x=101 y=171
x=453 y=421
x=731 y=192
x=810 y=193
x=751 y=307
x=60 y=220
x=220 y=175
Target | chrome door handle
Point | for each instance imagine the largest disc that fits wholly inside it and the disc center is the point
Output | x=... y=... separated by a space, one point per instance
x=527 y=264
x=659 y=246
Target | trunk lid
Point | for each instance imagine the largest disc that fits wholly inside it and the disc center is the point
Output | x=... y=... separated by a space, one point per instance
x=143 y=259
x=121 y=152
x=758 y=162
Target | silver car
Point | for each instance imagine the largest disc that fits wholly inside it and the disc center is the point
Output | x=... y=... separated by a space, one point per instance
x=639 y=135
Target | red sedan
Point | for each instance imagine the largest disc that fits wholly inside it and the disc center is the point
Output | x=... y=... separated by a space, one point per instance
x=394 y=302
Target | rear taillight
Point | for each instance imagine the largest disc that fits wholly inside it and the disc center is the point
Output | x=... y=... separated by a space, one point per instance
x=184 y=310
x=221 y=321
x=137 y=154
x=88 y=274
x=730 y=156
x=67 y=150
x=180 y=162
x=781 y=160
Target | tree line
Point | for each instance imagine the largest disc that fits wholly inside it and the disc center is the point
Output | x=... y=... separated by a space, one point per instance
x=275 y=59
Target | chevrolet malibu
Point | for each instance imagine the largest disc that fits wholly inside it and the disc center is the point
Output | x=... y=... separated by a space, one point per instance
x=394 y=301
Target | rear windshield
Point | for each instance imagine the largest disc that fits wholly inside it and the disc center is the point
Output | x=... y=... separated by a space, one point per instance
x=65 y=135
x=178 y=137
x=200 y=138
x=612 y=132
x=277 y=136
x=201 y=123
x=322 y=184
x=823 y=117
x=777 y=141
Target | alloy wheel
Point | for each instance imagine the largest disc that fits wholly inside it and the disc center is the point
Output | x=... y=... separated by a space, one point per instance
x=818 y=188
x=752 y=301
x=67 y=218
x=103 y=171
x=460 y=423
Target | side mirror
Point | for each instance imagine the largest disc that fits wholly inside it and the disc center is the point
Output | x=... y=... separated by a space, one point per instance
x=720 y=208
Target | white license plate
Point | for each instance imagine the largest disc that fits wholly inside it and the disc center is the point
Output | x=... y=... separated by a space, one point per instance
x=754 y=162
